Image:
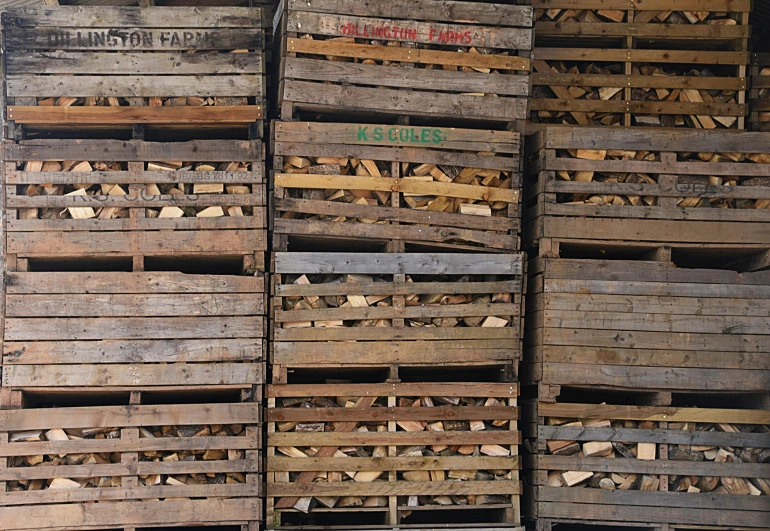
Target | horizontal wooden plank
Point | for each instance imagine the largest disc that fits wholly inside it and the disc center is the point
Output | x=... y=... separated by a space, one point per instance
x=391 y=334
x=659 y=436
x=666 y=288
x=397 y=488
x=399 y=263
x=138 y=63
x=103 y=494
x=409 y=312
x=446 y=10
x=74 y=328
x=654 y=499
x=158 y=444
x=395 y=135
x=405 y=185
x=128 y=38
x=658 y=190
x=136 y=201
x=655 y=139
x=128 y=416
x=342 y=464
x=124 y=283
x=502 y=437
x=651 y=304
x=256 y=221
x=405 y=78
x=135 y=150
x=130 y=177
x=131 y=115
x=149 y=513
x=433 y=32
x=333 y=353
x=655 y=413
x=641 y=56
x=482 y=390
x=132 y=243
x=401 y=154
x=149 y=305
x=387 y=288
x=638 y=107
x=409 y=55
x=176 y=17
x=575 y=29
x=119 y=469
x=728 y=169
x=656 y=377
x=392 y=413
x=621 y=213
x=133 y=375
x=660 y=466
x=740 y=6
x=131 y=351
x=391 y=101
x=645 y=82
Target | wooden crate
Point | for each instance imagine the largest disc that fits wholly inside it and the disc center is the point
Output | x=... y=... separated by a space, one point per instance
x=110 y=202
x=646 y=325
x=126 y=470
x=396 y=310
x=684 y=188
x=71 y=67
x=467 y=60
x=118 y=331
x=396 y=184
x=615 y=62
x=394 y=454
x=760 y=92
x=651 y=456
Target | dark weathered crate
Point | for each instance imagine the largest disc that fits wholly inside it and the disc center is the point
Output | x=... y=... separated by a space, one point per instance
x=383 y=437
x=759 y=119
x=646 y=325
x=647 y=60
x=113 y=330
x=406 y=59
x=686 y=188
x=41 y=225
x=720 y=455
x=71 y=67
x=118 y=469
x=387 y=183
x=457 y=310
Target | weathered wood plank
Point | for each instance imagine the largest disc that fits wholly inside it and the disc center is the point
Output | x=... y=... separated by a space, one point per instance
x=480 y=390
x=397 y=488
x=390 y=413
x=138 y=86
x=177 y=17
x=321 y=464
x=144 y=177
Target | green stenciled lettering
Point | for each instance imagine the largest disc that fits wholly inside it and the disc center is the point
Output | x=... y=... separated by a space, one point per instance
x=425 y=135
x=378 y=136
x=438 y=136
x=362 y=135
x=413 y=136
x=404 y=135
x=392 y=134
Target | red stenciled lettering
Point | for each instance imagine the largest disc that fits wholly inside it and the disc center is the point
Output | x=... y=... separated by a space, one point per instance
x=431 y=34
x=467 y=39
x=345 y=29
x=411 y=34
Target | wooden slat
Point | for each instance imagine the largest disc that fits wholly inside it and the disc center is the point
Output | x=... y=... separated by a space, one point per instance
x=163 y=17
x=321 y=464
x=393 y=413
x=397 y=389
x=741 y=6
x=397 y=488
x=130 y=115
x=501 y=437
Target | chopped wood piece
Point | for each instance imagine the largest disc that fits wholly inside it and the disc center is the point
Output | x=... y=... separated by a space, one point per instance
x=211 y=212
x=573 y=477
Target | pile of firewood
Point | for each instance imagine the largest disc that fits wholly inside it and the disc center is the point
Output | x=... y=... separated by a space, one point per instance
x=421 y=172
x=649 y=451
x=362 y=301
x=111 y=101
x=150 y=190
x=618 y=16
x=764 y=94
x=616 y=93
x=685 y=180
x=470 y=474
x=106 y=458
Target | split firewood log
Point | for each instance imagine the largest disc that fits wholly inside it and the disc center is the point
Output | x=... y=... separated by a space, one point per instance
x=469 y=473
x=105 y=458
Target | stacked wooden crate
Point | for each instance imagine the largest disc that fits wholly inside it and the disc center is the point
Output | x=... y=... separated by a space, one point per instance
x=135 y=246
x=398 y=286
x=651 y=63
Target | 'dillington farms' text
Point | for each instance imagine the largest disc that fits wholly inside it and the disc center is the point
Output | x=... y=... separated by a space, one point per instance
x=370 y=31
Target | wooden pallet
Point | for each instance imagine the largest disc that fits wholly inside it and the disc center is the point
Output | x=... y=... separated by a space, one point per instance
x=116 y=331
x=462 y=60
x=640 y=64
x=644 y=187
x=394 y=311
x=396 y=184
x=134 y=209
x=394 y=445
x=129 y=467
x=652 y=456
x=635 y=324
x=118 y=66
x=759 y=118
